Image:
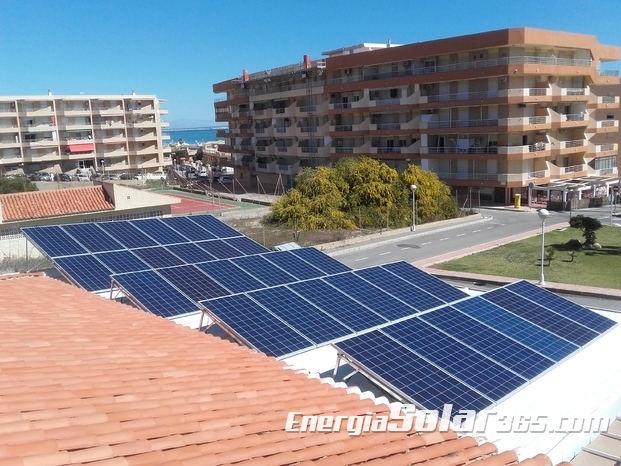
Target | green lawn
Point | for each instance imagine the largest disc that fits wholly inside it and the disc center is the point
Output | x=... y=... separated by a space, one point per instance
x=521 y=259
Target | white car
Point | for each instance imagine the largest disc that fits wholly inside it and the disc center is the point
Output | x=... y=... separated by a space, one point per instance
x=225 y=179
x=84 y=177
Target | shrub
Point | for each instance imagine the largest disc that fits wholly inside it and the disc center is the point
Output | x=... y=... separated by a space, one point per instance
x=573 y=245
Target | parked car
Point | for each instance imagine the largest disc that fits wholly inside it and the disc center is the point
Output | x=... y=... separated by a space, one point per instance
x=128 y=176
x=225 y=179
x=83 y=177
x=64 y=177
x=111 y=177
x=43 y=176
x=35 y=177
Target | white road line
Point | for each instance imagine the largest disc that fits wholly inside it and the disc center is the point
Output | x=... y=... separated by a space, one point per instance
x=443 y=239
x=476 y=231
x=361 y=259
x=463 y=234
x=384 y=253
x=424 y=244
x=489 y=228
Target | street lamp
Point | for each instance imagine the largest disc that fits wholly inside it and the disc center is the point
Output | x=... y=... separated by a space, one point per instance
x=413 y=188
x=543 y=215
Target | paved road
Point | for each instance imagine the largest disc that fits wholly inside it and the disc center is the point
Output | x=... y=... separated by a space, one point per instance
x=498 y=225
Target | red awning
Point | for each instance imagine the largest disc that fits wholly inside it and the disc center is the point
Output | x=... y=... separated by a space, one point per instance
x=77 y=148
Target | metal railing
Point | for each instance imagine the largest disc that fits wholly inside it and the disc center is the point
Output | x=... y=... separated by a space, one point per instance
x=609 y=73
x=537 y=91
x=536 y=120
x=462 y=123
x=462 y=96
x=388 y=150
x=308 y=129
x=574 y=143
x=388 y=126
x=379 y=102
x=608 y=99
x=575 y=116
x=343 y=128
x=575 y=91
x=606 y=147
x=573 y=168
x=308 y=108
x=537 y=174
x=457 y=150
x=341 y=105
x=607 y=123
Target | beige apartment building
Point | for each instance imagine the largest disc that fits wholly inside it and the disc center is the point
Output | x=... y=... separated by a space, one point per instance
x=121 y=133
x=494 y=111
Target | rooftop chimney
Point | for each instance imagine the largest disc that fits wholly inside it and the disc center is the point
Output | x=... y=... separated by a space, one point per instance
x=49 y=92
x=388 y=43
x=133 y=92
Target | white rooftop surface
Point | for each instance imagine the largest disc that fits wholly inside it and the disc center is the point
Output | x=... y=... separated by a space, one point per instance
x=584 y=386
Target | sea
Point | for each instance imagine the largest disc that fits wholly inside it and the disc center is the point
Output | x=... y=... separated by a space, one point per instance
x=193 y=136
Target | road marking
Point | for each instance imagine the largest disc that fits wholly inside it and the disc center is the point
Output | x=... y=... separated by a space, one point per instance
x=463 y=234
x=476 y=231
x=384 y=253
x=443 y=239
x=489 y=228
x=361 y=259
x=424 y=244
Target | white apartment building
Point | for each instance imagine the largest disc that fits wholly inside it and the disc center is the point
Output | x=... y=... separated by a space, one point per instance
x=121 y=133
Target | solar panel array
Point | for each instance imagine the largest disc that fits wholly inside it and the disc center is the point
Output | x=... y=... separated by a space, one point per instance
x=89 y=253
x=475 y=352
x=319 y=309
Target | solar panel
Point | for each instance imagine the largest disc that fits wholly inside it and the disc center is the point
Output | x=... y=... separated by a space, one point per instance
x=262 y=330
x=526 y=333
x=493 y=344
x=230 y=276
x=415 y=297
x=188 y=228
x=562 y=306
x=263 y=270
x=300 y=315
x=463 y=363
x=293 y=265
x=154 y=293
x=219 y=249
x=549 y=320
x=189 y=253
x=54 y=241
x=426 y=281
x=87 y=271
x=246 y=245
x=379 y=301
x=214 y=226
x=122 y=261
x=320 y=260
x=416 y=378
x=127 y=234
x=338 y=305
x=194 y=283
x=158 y=257
x=93 y=238
x=159 y=231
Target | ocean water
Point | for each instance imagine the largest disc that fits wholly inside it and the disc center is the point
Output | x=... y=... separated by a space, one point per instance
x=192 y=136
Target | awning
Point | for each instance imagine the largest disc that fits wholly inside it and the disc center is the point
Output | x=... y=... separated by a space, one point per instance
x=77 y=148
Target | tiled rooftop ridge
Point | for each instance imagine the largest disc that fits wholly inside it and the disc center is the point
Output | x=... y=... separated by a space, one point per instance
x=87 y=380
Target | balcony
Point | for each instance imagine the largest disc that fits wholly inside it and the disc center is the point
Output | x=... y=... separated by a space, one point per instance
x=362 y=126
x=9 y=128
x=45 y=142
x=568 y=147
x=285 y=131
x=266 y=167
x=433 y=124
x=109 y=125
x=319 y=151
x=143 y=124
x=493 y=150
x=10 y=144
x=116 y=111
x=118 y=139
x=599 y=148
x=263 y=113
x=573 y=169
x=285 y=169
x=142 y=137
x=31 y=112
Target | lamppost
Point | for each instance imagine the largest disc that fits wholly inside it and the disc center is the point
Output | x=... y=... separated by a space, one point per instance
x=543 y=215
x=413 y=188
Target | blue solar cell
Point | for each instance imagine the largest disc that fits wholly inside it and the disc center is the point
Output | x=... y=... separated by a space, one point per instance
x=338 y=305
x=417 y=379
x=230 y=276
x=194 y=283
x=562 y=306
x=293 y=265
x=92 y=237
x=488 y=341
x=127 y=234
x=536 y=338
x=463 y=363
x=215 y=226
x=155 y=294
x=258 y=327
x=415 y=297
x=53 y=241
x=87 y=271
x=188 y=228
x=372 y=297
x=300 y=315
x=158 y=257
x=159 y=231
x=549 y=320
x=263 y=270
x=122 y=261
x=190 y=253
x=219 y=249
x=426 y=281
x=320 y=260
x=246 y=245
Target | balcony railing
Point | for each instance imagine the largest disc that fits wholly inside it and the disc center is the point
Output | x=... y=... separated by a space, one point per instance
x=572 y=169
x=456 y=150
x=523 y=60
x=463 y=96
x=537 y=174
x=609 y=73
x=574 y=91
x=605 y=147
x=570 y=144
x=462 y=123
x=574 y=116
x=536 y=120
x=381 y=102
x=308 y=129
x=388 y=126
x=607 y=123
x=388 y=150
x=343 y=128
x=342 y=105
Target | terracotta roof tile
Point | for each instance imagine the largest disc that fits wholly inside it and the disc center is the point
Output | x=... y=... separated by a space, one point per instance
x=53 y=203
x=87 y=380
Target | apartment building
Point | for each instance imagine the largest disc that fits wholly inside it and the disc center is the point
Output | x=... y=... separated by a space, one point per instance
x=495 y=111
x=121 y=133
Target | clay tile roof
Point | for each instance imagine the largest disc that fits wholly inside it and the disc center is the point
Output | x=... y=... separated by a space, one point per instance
x=53 y=203
x=87 y=380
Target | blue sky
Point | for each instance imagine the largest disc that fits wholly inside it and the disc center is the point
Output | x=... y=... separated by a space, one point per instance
x=178 y=49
